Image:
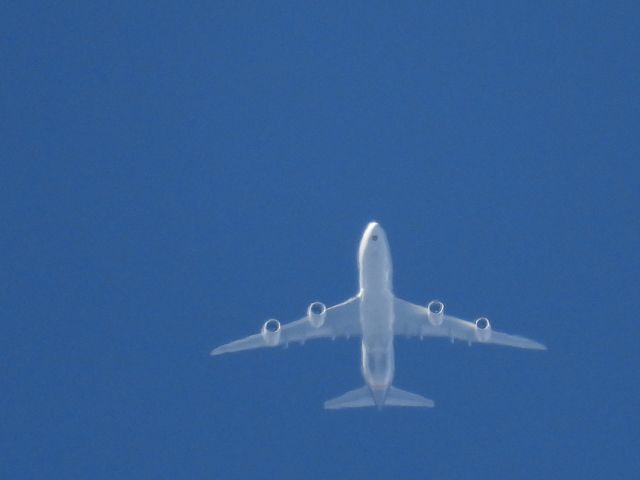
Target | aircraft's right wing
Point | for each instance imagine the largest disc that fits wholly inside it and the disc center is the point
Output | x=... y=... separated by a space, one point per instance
x=412 y=320
x=342 y=320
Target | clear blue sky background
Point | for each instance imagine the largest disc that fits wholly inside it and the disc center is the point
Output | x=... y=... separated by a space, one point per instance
x=174 y=175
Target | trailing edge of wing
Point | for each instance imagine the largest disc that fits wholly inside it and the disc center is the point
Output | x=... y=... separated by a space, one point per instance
x=342 y=320
x=411 y=320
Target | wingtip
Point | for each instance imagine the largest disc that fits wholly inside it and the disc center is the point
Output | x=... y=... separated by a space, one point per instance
x=537 y=346
x=216 y=351
x=532 y=344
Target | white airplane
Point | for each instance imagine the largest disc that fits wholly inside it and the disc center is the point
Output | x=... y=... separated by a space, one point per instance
x=376 y=315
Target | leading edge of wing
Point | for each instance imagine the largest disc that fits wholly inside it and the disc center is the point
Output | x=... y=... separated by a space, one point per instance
x=341 y=320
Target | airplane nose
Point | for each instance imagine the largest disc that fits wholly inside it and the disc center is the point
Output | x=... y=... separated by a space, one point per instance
x=375 y=231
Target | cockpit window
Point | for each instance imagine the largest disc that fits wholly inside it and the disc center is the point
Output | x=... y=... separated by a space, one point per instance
x=374 y=237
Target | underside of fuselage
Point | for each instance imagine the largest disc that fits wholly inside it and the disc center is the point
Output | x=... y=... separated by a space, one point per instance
x=376 y=312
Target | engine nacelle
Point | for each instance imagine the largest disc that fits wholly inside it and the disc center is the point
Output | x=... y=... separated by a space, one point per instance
x=483 y=329
x=435 y=312
x=271 y=332
x=317 y=312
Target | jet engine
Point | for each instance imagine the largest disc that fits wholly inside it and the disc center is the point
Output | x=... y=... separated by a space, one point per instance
x=435 y=312
x=271 y=332
x=483 y=329
x=317 y=312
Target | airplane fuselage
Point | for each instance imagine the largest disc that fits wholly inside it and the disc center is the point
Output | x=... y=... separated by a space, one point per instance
x=376 y=312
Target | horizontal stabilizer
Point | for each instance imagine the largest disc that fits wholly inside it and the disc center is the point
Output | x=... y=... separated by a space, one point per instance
x=360 y=397
x=402 y=398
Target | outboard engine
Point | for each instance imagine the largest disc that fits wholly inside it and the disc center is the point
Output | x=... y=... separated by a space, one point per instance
x=317 y=312
x=483 y=329
x=435 y=312
x=271 y=332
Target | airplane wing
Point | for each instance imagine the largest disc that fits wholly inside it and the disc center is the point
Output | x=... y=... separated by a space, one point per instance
x=342 y=320
x=411 y=320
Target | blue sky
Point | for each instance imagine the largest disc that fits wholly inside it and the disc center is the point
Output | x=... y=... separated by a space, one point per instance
x=175 y=175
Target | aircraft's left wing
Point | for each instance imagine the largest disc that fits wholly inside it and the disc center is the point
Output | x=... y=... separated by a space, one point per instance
x=342 y=320
x=412 y=320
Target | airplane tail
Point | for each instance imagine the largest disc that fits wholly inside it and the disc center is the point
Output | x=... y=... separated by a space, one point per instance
x=362 y=397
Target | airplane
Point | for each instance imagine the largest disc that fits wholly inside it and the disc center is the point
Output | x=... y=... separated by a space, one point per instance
x=376 y=315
